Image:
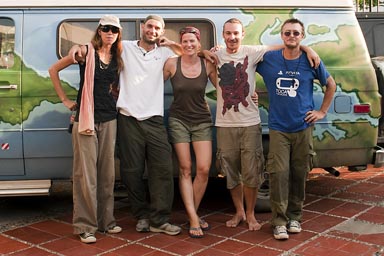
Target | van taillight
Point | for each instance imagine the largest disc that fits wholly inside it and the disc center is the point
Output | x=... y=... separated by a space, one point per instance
x=362 y=108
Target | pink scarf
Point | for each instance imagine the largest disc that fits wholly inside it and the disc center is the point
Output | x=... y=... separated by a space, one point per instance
x=86 y=115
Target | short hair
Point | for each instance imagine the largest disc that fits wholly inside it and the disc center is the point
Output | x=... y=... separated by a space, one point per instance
x=293 y=21
x=155 y=17
x=234 y=21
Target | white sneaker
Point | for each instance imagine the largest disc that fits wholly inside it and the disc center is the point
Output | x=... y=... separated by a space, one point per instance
x=166 y=228
x=87 y=238
x=142 y=225
x=294 y=226
x=114 y=230
x=280 y=233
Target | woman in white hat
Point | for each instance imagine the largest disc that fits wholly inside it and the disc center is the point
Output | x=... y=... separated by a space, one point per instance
x=94 y=128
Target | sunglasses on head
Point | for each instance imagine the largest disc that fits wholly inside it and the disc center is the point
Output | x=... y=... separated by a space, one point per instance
x=189 y=30
x=289 y=33
x=107 y=28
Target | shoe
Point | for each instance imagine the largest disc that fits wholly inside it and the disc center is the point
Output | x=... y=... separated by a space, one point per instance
x=166 y=228
x=114 y=230
x=142 y=225
x=294 y=226
x=204 y=225
x=191 y=235
x=280 y=233
x=87 y=238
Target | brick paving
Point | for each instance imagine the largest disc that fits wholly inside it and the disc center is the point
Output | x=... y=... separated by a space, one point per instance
x=342 y=216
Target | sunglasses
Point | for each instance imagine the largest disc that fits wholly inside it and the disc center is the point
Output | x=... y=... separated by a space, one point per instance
x=107 y=28
x=189 y=30
x=289 y=33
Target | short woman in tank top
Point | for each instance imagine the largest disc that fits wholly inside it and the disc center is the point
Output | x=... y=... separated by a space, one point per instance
x=190 y=122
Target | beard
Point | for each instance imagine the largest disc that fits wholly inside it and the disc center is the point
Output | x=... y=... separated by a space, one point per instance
x=233 y=45
x=292 y=46
x=150 y=41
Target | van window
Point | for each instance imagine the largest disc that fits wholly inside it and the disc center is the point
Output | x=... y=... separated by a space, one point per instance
x=7 y=42
x=172 y=28
x=72 y=32
x=81 y=32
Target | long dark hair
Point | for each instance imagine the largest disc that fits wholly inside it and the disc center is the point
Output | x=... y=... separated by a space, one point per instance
x=116 y=49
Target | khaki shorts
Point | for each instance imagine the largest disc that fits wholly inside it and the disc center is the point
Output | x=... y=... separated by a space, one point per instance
x=180 y=132
x=240 y=155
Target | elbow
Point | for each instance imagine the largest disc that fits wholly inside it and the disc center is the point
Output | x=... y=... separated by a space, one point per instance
x=51 y=71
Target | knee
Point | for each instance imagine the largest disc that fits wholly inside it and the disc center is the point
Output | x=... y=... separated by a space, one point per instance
x=202 y=172
x=185 y=171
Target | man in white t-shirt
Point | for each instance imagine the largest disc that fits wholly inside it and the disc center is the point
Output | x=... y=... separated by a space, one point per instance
x=239 y=136
x=143 y=140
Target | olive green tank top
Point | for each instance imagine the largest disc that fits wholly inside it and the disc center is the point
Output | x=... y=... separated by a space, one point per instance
x=189 y=103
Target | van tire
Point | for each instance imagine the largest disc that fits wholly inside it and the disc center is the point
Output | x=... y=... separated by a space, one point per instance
x=263 y=203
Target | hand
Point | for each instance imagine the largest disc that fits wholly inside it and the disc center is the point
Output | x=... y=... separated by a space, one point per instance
x=215 y=48
x=71 y=105
x=75 y=50
x=313 y=58
x=210 y=56
x=163 y=41
x=255 y=98
x=314 y=115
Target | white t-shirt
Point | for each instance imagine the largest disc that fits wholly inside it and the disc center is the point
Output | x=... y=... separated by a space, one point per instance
x=236 y=85
x=141 y=81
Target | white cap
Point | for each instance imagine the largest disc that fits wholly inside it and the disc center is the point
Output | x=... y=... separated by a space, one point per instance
x=110 y=20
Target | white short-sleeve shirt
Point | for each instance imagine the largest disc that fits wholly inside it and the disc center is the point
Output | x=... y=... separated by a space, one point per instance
x=141 y=81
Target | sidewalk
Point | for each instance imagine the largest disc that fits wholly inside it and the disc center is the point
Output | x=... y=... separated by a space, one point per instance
x=342 y=216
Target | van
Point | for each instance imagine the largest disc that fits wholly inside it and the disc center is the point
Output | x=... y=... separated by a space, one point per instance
x=35 y=144
x=372 y=26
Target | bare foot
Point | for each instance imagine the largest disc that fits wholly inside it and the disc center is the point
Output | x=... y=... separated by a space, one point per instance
x=253 y=224
x=235 y=221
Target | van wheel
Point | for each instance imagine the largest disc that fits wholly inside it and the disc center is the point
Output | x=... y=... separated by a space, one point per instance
x=357 y=168
x=263 y=204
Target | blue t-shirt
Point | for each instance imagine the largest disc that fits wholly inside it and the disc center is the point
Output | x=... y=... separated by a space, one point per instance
x=290 y=89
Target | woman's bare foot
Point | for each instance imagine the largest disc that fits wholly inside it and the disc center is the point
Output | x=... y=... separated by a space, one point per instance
x=235 y=221
x=253 y=224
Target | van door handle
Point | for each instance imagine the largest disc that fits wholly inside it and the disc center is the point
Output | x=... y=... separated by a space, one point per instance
x=11 y=86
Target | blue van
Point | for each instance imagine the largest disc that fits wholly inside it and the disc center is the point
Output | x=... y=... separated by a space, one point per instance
x=35 y=145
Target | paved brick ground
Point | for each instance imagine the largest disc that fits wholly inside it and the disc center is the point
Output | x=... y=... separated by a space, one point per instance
x=342 y=216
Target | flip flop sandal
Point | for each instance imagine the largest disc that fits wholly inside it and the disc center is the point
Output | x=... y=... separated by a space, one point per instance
x=204 y=225
x=194 y=235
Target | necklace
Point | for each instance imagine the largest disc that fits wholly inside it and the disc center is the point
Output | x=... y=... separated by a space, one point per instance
x=102 y=65
x=142 y=50
x=290 y=73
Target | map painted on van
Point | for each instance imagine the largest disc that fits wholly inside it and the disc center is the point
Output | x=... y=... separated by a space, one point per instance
x=335 y=36
x=335 y=40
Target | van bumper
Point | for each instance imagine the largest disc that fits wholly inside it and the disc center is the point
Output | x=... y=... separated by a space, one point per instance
x=25 y=188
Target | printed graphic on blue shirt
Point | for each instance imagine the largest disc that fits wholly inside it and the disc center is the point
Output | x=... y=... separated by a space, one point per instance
x=287 y=86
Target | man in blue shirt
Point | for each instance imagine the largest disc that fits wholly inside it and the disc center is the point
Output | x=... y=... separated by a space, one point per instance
x=289 y=79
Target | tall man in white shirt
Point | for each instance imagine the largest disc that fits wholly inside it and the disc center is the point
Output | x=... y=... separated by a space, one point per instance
x=143 y=140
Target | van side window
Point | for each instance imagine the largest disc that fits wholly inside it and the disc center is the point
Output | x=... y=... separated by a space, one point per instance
x=172 y=28
x=72 y=32
x=81 y=32
x=7 y=42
